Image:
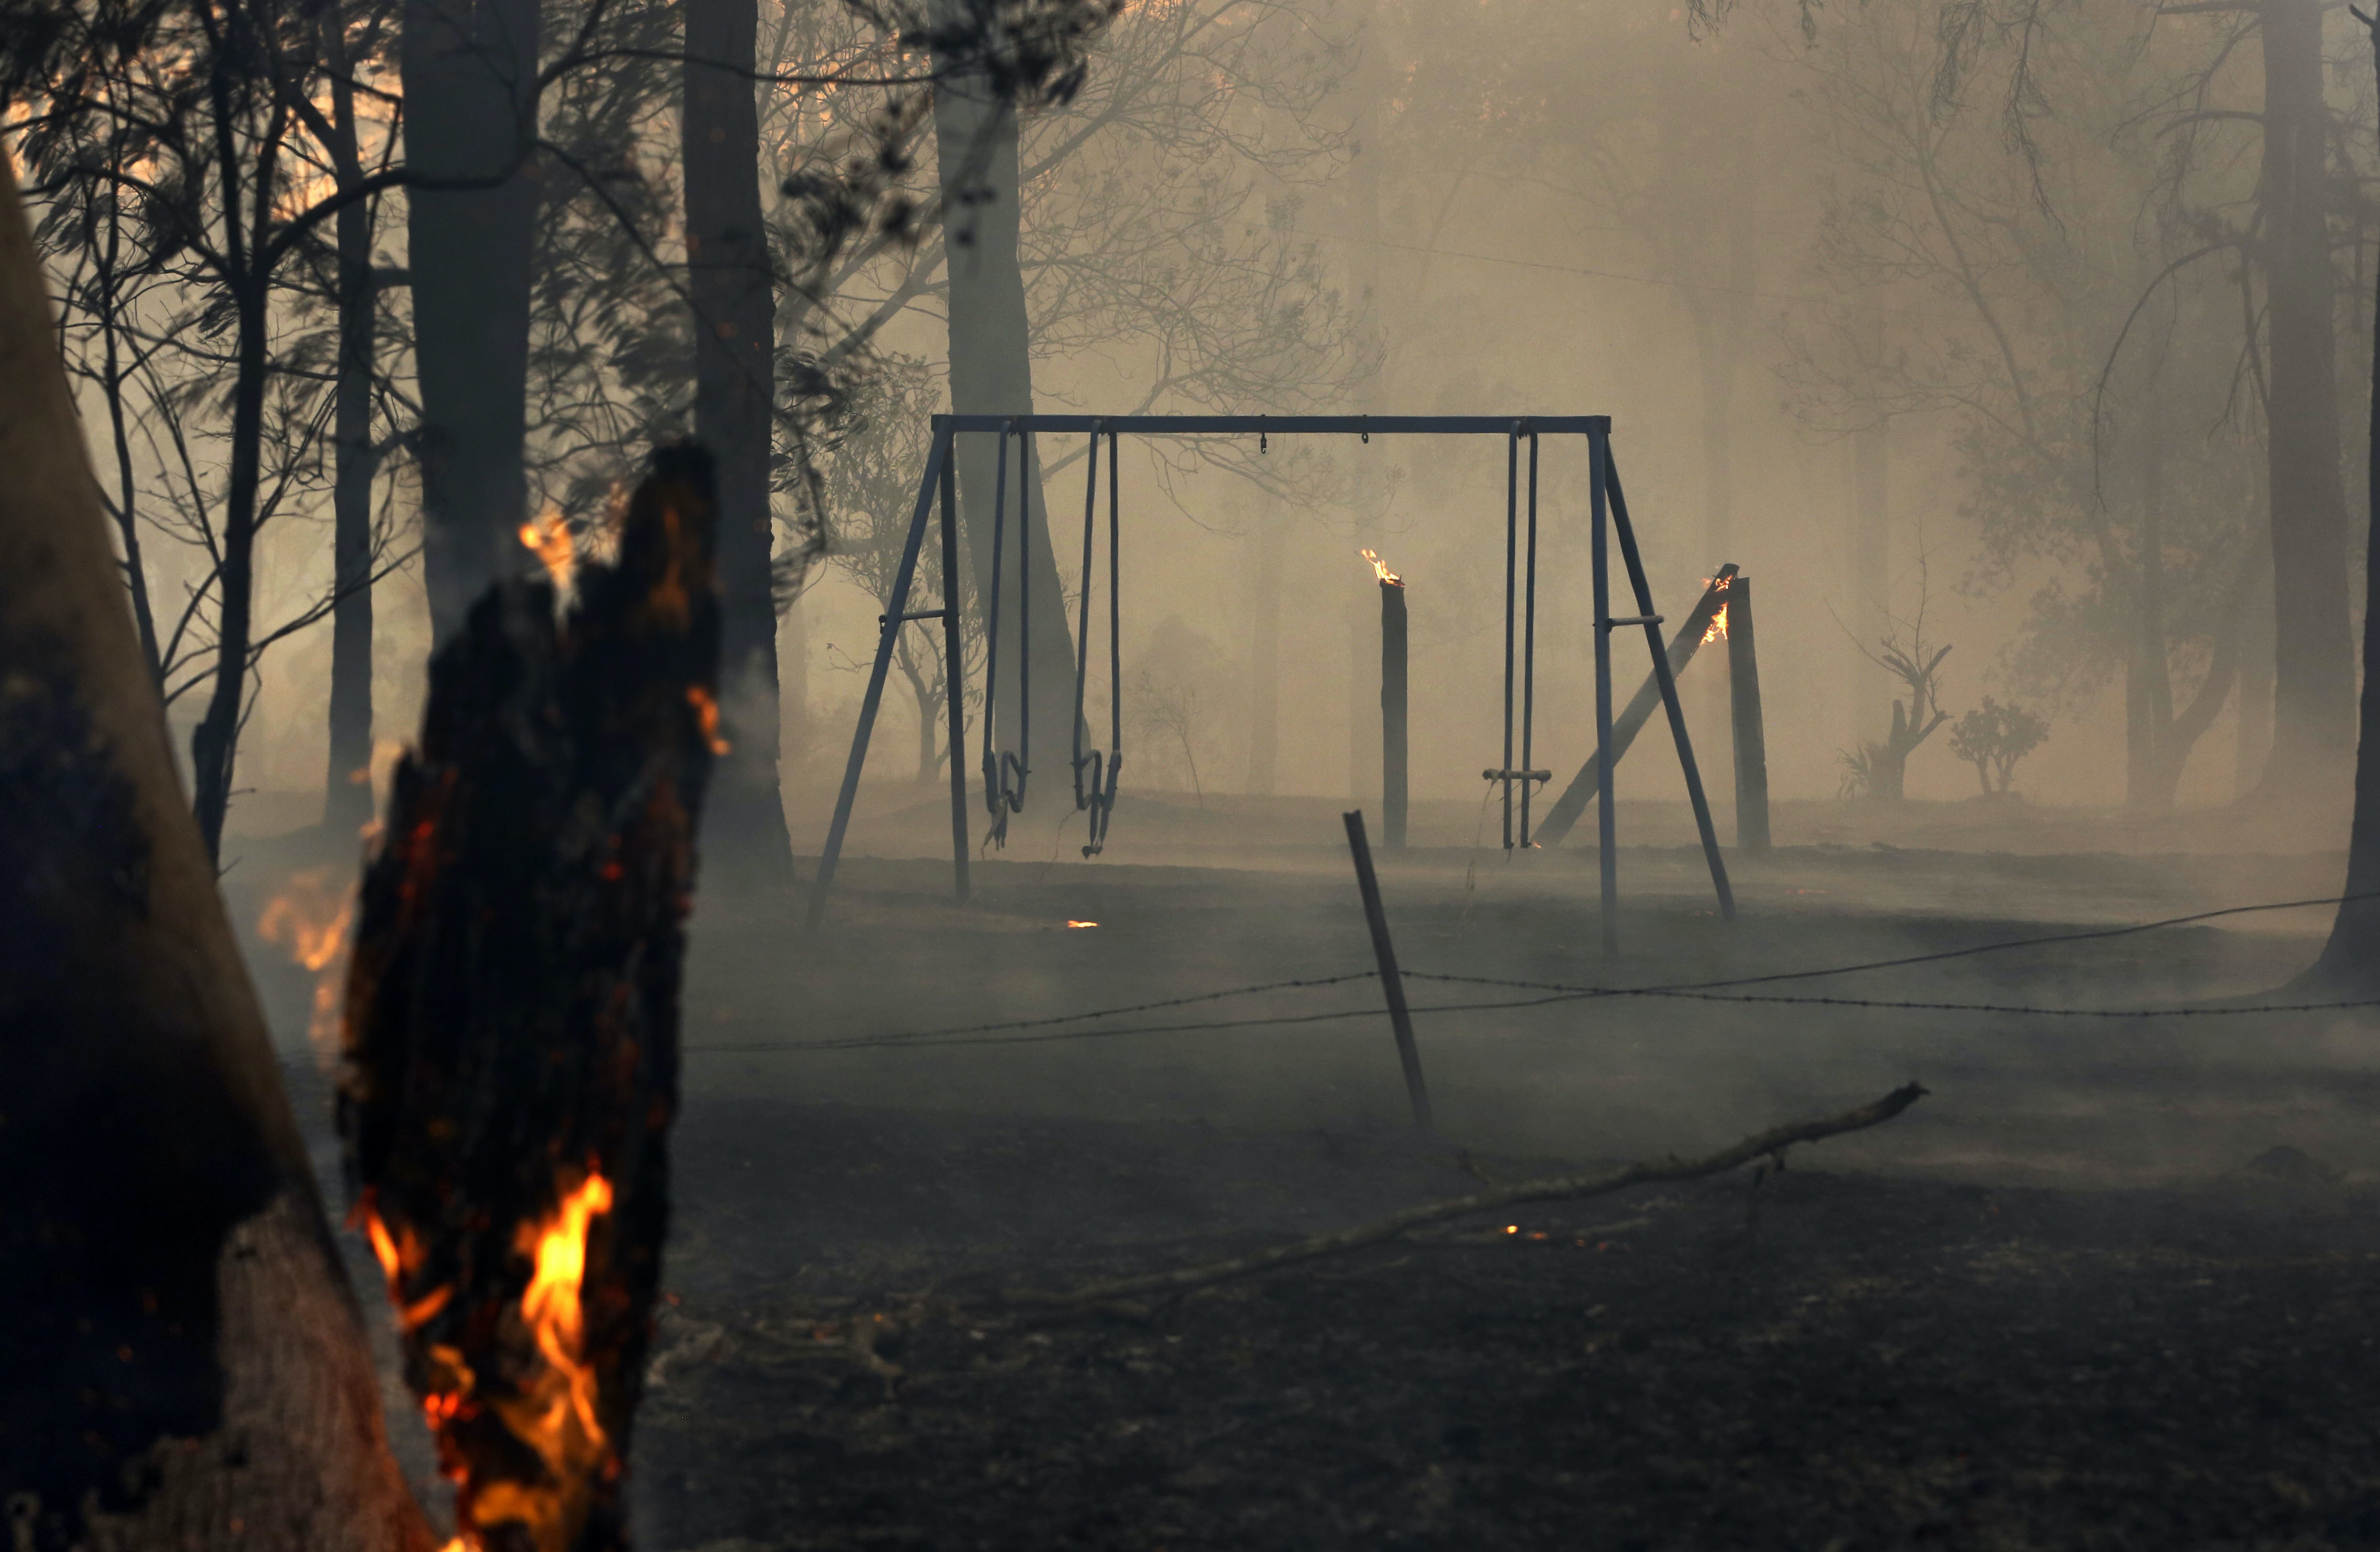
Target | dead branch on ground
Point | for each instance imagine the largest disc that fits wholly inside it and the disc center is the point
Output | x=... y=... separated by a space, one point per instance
x=1112 y=1291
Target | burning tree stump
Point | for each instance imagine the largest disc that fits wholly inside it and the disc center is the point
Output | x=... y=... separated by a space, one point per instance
x=511 y=1015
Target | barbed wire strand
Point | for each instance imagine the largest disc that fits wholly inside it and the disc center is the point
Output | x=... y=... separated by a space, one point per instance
x=1013 y=1031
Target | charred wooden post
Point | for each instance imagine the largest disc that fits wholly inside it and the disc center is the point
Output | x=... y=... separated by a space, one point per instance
x=1392 y=981
x=1630 y=722
x=511 y=1061
x=1394 y=770
x=1744 y=721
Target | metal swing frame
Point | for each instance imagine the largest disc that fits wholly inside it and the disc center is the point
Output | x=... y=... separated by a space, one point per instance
x=1609 y=516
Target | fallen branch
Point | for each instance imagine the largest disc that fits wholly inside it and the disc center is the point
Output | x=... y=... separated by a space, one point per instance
x=1545 y=1189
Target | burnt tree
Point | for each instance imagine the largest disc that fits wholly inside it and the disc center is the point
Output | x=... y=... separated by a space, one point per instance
x=510 y=1063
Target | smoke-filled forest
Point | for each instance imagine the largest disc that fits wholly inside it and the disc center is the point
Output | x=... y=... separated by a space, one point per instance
x=1189 y=773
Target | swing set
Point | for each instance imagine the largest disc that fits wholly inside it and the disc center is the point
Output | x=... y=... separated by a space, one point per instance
x=1005 y=773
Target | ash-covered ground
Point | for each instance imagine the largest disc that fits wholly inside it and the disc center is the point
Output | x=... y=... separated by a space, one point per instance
x=2109 y=1284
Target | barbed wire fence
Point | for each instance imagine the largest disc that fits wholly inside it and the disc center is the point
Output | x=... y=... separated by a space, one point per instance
x=1056 y=1027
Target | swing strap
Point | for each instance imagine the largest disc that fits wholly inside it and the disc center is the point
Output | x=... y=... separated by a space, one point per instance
x=1004 y=773
x=1098 y=795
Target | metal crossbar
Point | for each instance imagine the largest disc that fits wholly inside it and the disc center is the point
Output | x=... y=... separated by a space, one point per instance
x=1610 y=515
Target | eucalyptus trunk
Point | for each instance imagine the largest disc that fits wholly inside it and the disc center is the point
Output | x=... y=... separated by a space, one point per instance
x=729 y=282
x=2352 y=958
x=992 y=373
x=470 y=69
x=2313 y=697
x=186 y=1365
x=347 y=796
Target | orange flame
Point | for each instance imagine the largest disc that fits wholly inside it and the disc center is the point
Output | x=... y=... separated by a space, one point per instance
x=310 y=918
x=1717 y=631
x=549 y=537
x=706 y=707
x=1071 y=922
x=550 y=1411
x=1388 y=578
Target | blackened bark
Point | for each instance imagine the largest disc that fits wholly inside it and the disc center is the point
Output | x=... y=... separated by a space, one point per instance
x=2314 y=694
x=734 y=363
x=992 y=373
x=347 y=797
x=512 y=1009
x=469 y=72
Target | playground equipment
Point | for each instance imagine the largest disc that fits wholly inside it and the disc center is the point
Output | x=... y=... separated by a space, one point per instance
x=1097 y=773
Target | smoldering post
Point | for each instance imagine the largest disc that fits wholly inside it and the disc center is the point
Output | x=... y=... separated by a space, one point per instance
x=1392 y=705
x=1743 y=711
x=1392 y=712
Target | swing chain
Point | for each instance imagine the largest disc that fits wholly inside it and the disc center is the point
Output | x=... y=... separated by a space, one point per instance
x=1100 y=799
x=1004 y=773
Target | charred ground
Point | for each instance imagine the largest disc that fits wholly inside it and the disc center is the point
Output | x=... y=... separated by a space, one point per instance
x=2074 y=1298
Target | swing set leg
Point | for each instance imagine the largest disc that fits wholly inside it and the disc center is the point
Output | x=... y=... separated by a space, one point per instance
x=954 y=678
x=1669 y=682
x=896 y=616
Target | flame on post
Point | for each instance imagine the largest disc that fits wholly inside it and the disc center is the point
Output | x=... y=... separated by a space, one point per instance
x=706 y=707
x=1718 y=630
x=550 y=1408
x=548 y=536
x=310 y=917
x=1388 y=578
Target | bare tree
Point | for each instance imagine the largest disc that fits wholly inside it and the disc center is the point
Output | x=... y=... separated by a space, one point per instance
x=2012 y=255
x=1881 y=769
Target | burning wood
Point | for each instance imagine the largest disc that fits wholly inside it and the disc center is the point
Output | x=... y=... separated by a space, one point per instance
x=510 y=1016
x=1716 y=586
x=309 y=916
x=1394 y=779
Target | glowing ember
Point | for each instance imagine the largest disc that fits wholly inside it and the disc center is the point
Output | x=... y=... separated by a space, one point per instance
x=1717 y=631
x=1073 y=923
x=310 y=918
x=1388 y=578
x=708 y=709
x=549 y=538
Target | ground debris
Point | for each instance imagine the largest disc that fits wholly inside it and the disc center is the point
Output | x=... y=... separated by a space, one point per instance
x=1901 y=1362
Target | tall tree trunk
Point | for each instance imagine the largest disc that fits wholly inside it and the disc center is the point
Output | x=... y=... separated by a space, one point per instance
x=1264 y=653
x=2313 y=698
x=469 y=70
x=727 y=252
x=929 y=717
x=1871 y=536
x=794 y=689
x=347 y=795
x=2150 y=769
x=1368 y=85
x=1720 y=322
x=215 y=743
x=181 y=1348
x=992 y=373
x=2253 y=732
x=2352 y=958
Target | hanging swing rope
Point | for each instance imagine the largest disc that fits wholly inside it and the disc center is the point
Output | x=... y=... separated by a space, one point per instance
x=1099 y=797
x=1004 y=773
